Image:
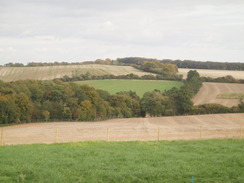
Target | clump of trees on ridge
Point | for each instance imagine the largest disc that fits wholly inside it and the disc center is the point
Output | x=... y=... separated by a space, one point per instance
x=186 y=63
x=138 y=61
x=29 y=100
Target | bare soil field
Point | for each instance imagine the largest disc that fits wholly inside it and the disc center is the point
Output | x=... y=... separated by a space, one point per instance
x=52 y=72
x=131 y=129
x=214 y=73
x=209 y=92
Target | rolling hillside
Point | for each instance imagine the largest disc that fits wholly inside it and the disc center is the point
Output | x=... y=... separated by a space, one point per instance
x=213 y=73
x=52 y=72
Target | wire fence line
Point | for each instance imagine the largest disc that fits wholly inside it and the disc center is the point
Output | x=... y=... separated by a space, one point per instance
x=59 y=135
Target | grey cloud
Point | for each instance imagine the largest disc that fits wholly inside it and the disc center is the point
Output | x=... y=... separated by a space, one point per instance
x=91 y=29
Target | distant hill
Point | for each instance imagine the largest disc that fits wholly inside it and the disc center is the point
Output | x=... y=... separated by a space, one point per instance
x=121 y=66
x=52 y=72
x=186 y=63
x=137 y=61
x=214 y=73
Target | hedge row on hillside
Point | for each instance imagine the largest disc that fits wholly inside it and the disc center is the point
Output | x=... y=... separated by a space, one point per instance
x=89 y=76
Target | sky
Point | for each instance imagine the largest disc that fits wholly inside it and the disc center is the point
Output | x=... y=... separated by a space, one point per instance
x=84 y=30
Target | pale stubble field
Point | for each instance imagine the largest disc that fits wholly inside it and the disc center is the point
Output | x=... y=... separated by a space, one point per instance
x=215 y=126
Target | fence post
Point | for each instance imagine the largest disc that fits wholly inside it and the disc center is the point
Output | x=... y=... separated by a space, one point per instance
x=107 y=134
x=200 y=132
x=1 y=138
x=56 y=135
x=192 y=179
x=158 y=134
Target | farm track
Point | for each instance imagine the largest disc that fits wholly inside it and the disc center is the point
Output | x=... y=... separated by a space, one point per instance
x=131 y=129
x=209 y=92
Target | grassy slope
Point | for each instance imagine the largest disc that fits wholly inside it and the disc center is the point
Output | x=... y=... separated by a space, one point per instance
x=177 y=161
x=139 y=86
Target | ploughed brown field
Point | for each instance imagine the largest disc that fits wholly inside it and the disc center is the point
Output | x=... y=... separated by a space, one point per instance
x=130 y=129
x=209 y=92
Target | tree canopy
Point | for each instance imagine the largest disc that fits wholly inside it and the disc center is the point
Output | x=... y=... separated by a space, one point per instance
x=29 y=100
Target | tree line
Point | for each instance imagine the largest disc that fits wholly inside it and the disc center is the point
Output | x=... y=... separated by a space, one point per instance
x=30 y=100
x=89 y=76
x=206 y=65
x=185 y=63
x=224 y=79
x=137 y=61
x=40 y=64
x=176 y=77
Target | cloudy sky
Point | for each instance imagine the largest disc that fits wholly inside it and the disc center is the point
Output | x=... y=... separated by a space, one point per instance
x=80 y=30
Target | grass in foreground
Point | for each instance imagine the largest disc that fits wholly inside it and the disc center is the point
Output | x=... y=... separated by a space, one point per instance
x=138 y=86
x=177 y=161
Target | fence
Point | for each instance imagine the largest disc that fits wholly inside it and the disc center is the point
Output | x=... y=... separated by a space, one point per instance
x=62 y=134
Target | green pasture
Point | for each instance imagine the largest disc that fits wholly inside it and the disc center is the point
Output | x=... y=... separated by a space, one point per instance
x=138 y=86
x=210 y=161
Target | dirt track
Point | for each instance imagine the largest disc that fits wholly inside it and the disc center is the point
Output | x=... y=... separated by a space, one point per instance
x=132 y=129
x=209 y=91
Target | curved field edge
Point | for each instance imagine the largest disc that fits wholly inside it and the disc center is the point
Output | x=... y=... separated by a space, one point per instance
x=212 y=161
x=52 y=72
x=138 y=86
x=209 y=93
x=128 y=129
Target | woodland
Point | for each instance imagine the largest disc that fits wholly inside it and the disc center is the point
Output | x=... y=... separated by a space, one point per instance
x=31 y=100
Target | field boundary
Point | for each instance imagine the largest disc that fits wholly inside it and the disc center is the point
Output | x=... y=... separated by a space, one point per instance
x=128 y=134
x=210 y=91
x=200 y=127
x=213 y=73
x=8 y=74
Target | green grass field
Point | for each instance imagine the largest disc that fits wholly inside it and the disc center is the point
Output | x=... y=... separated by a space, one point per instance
x=139 y=86
x=210 y=161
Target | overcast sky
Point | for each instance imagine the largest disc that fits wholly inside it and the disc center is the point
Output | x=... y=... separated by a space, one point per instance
x=80 y=30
